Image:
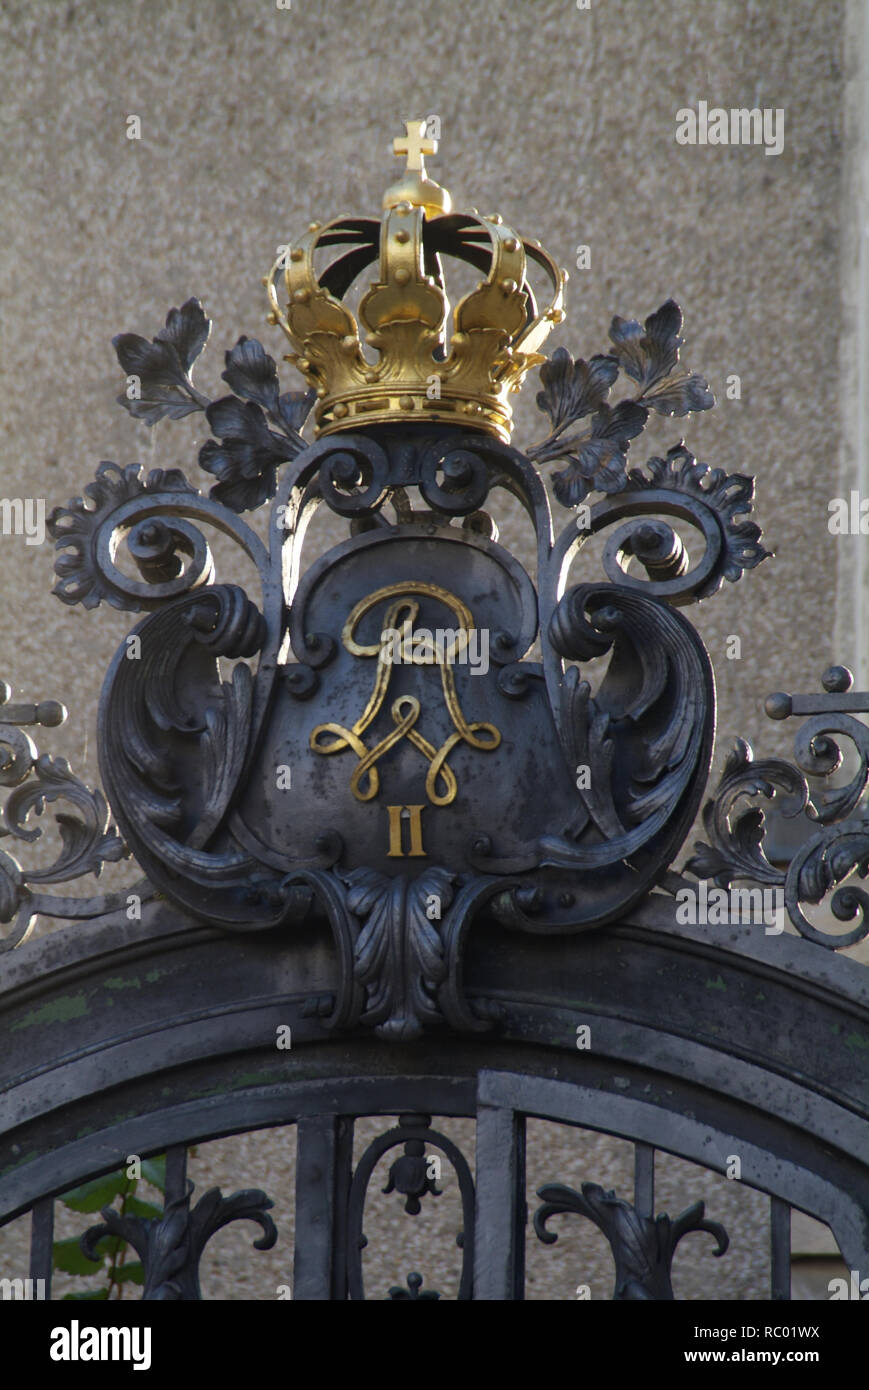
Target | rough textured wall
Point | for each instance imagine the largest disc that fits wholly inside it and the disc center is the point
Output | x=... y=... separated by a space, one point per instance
x=255 y=119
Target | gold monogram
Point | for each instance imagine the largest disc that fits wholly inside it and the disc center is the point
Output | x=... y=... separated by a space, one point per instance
x=440 y=782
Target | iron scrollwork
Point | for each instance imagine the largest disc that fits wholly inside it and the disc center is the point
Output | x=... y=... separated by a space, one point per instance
x=411 y=1176
x=170 y=1247
x=836 y=843
x=413 y=1291
x=642 y=1246
x=239 y=794
x=88 y=837
x=190 y=760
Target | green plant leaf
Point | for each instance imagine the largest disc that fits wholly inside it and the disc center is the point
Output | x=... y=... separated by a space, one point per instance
x=96 y=1194
x=154 y=1171
x=133 y=1273
x=71 y=1259
x=135 y=1206
x=110 y=1246
x=90 y=1295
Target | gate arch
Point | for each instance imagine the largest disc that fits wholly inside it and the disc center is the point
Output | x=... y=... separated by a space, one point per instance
x=161 y=1074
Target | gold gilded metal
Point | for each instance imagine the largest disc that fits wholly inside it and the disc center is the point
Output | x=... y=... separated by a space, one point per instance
x=416 y=850
x=406 y=709
x=415 y=187
x=492 y=343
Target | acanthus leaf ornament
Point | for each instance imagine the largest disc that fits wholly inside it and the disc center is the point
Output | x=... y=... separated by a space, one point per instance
x=573 y=391
x=160 y=383
x=399 y=955
x=250 y=449
x=642 y=1246
x=170 y=1246
x=386 y=757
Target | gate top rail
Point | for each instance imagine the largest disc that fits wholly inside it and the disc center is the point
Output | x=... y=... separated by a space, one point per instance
x=166 y=1030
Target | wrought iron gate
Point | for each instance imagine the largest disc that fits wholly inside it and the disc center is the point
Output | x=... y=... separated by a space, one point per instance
x=442 y=864
x=753 y=1080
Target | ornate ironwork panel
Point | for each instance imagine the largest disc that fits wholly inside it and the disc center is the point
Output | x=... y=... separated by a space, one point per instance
x=419 y=803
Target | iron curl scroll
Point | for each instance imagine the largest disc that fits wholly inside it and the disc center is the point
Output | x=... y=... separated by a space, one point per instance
x=153 y=514
x=642 y=1246
x=835 y=844
x=89 y=839
x=677 y=487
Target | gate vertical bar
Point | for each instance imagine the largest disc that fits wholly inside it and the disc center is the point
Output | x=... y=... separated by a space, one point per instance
x=42 y=1242
x=644 y=1179
x=323 y=1160
x=499 y=1239
x=341 y=1203
x=780 y=1249
x=176 y=1173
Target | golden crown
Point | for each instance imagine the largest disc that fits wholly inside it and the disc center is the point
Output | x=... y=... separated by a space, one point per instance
x=421 y=373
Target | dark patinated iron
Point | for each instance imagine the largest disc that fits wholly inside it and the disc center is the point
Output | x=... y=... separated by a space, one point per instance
x=416 y=809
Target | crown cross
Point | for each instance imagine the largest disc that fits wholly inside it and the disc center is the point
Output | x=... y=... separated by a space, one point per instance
x=414 y=186
x=415 y=145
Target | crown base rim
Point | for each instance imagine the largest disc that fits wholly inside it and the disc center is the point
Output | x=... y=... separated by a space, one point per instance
x=407 y=408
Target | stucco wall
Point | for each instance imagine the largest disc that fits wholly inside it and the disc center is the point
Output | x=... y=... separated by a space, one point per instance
x=255 y=119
